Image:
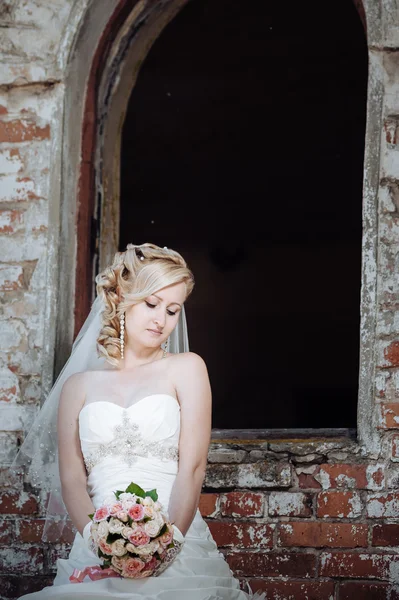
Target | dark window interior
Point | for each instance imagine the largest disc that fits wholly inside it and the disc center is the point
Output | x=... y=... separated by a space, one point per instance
x=243 y=149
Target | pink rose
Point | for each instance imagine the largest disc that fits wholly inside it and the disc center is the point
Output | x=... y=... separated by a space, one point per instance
x=166 y=538
x=122 y=516
x=115 y=508
x=139 y=537
x=136 y=512
x=104 y=547
x=101 y=514
x=131 y=567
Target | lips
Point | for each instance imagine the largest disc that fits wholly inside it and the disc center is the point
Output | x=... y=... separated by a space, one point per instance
x=155 y=331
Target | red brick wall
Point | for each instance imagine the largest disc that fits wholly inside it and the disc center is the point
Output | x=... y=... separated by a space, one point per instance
x=324 y=527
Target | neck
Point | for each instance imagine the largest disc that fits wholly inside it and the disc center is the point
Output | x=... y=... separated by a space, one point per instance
x=135 y=357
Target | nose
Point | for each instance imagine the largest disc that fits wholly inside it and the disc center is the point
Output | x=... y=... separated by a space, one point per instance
x=159 y=319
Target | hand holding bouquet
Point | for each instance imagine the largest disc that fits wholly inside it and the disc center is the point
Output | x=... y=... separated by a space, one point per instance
x=133 y=536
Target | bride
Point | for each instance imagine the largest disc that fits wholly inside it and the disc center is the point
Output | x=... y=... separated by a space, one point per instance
x=128 y=408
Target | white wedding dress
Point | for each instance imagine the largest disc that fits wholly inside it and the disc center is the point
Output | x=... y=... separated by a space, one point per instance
x=140 y=444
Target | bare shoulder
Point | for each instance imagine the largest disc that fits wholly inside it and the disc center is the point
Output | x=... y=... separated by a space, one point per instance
x=188 y=363
x=73 y=391
x=191 y=380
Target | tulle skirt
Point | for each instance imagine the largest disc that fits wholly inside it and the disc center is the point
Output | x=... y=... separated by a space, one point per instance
x=199 y=572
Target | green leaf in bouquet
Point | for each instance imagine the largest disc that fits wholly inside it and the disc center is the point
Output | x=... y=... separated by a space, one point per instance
x=112 y=537
x=106 y=564
x=91 y=516
x=118 y=493
x=101 y=553
x=152 y=494
x=163 y=530
x=133 y=488
x=145 y=519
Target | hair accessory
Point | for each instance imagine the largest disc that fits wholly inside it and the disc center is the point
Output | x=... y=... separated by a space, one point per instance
x=122 y=334
x=141 y=257
x=165 y=247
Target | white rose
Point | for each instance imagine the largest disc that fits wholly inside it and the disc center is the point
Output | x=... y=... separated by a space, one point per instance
x=131 y=548
x=147 y=501
x=103 y=529
x=94 y=530
x=118 y=548
x=148 y=549
x=127 y=496
x=126 y=531
x=115 y=526
x=126 y=504
x=152 y=527
x=149 y=512
x=158 y=506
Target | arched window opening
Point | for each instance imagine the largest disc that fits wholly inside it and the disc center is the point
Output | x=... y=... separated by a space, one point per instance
x=243 y=149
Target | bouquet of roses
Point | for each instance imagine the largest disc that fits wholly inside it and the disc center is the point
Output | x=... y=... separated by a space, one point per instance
x=133 y=536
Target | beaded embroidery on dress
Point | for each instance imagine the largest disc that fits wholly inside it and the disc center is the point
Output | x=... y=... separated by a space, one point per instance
x=140 y=444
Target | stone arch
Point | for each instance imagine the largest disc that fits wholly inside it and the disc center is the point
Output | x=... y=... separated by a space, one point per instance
x=112 y=41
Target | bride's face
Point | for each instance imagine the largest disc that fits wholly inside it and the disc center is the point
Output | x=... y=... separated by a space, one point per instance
x=152 y=321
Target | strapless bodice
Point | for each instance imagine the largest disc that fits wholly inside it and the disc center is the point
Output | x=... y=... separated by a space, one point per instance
x=139 y=443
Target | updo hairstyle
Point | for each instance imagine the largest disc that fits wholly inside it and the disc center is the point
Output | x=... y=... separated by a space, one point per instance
x=134 y=275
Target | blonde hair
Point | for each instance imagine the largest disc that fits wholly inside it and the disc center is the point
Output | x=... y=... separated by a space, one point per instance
x=134 y=275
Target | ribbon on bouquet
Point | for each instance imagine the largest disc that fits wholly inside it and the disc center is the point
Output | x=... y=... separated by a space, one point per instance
x=94 y=573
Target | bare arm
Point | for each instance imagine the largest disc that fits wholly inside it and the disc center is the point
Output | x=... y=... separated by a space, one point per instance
x=194 y=392
x=72 y=468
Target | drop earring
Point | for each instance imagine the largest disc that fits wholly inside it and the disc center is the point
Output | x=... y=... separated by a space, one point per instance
x=122 y=334
x=166 y=348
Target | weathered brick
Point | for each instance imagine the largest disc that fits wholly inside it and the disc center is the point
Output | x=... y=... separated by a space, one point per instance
x=272 y=564
x=342 y=476
x=384 y=505
x=385 y=534
x=389 y=418
x=226 y=455
x=290 y=504
x=255 y=475
x=14 y=504
x=339 y=504
x=10 y=161
x=13 y=335
x=11 y=220
x=318 y=534
x=395 y=448
x=357 y=565
x=356 y=590
x=16 y=417
x=241 y=535
x=7 y=531
x=22 y=131
x=17 y=560
x=30 y=530
x=294 y=590
x=242 y=504
x=8 y=447
x=16 y=189
x=11 y=278
x=391 y=354
x=209 y=505
x=307 y=481
x=9 y=386
x=375 y=475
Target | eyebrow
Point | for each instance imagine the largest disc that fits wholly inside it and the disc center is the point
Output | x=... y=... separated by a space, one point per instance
x=171 y=304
